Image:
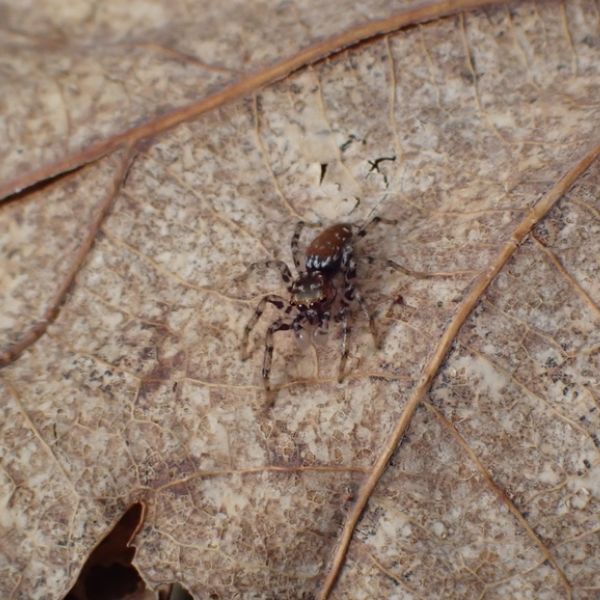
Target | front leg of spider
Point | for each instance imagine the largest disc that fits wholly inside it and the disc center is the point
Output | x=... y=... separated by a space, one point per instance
x=323 y=327
x=346 y=329
x=374 y=221
x=279 y=265
x=351 y=294
x=278 y=325
x=297 y=254
x=273 y=299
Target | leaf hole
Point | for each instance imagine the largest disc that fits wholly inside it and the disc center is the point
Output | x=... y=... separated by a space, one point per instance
x=108 y=573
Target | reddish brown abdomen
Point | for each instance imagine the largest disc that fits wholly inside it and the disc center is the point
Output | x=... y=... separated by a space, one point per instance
x=325 y=251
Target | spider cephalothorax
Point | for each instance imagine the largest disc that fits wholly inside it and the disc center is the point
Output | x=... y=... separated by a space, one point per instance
x=313 y=293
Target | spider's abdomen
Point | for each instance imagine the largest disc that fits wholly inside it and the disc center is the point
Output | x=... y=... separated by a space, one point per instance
x=325 y=251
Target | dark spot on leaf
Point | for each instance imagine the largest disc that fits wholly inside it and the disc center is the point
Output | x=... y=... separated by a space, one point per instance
x=374 y=164
x=323 y=172
x=348 y=142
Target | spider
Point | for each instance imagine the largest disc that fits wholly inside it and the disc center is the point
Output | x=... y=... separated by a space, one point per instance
x=313 y=292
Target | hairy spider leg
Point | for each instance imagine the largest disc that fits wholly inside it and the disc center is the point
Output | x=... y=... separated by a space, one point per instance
x=283 y=269
x=394 y=266
x=323 y=328
x=366 y=228
x=297 y=254
x=277 y=301
x=278 y=325
x=372 y=328
x=346 y=329
x=374 y=221
x=348 y=268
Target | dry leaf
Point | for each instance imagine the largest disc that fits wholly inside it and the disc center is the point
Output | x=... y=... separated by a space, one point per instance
x=122 y=315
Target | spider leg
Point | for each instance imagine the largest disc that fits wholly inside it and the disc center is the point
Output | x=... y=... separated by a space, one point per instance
x=372 y=327
x=348 y=268
x=278 y=325
x=346 y=329
x=394 y=266
x=296 y=252
x=374 y=221
x=323 y=327
x=283 y=269
x=277 y=301
x=299 y=332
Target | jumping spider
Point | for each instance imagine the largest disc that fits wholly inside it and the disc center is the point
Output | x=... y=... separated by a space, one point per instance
x=313 y=292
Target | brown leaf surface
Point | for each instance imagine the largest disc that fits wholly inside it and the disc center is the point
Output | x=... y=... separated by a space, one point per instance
x=121 y=320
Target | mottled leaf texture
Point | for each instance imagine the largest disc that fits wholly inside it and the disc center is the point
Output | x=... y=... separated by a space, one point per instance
x=152 y=150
